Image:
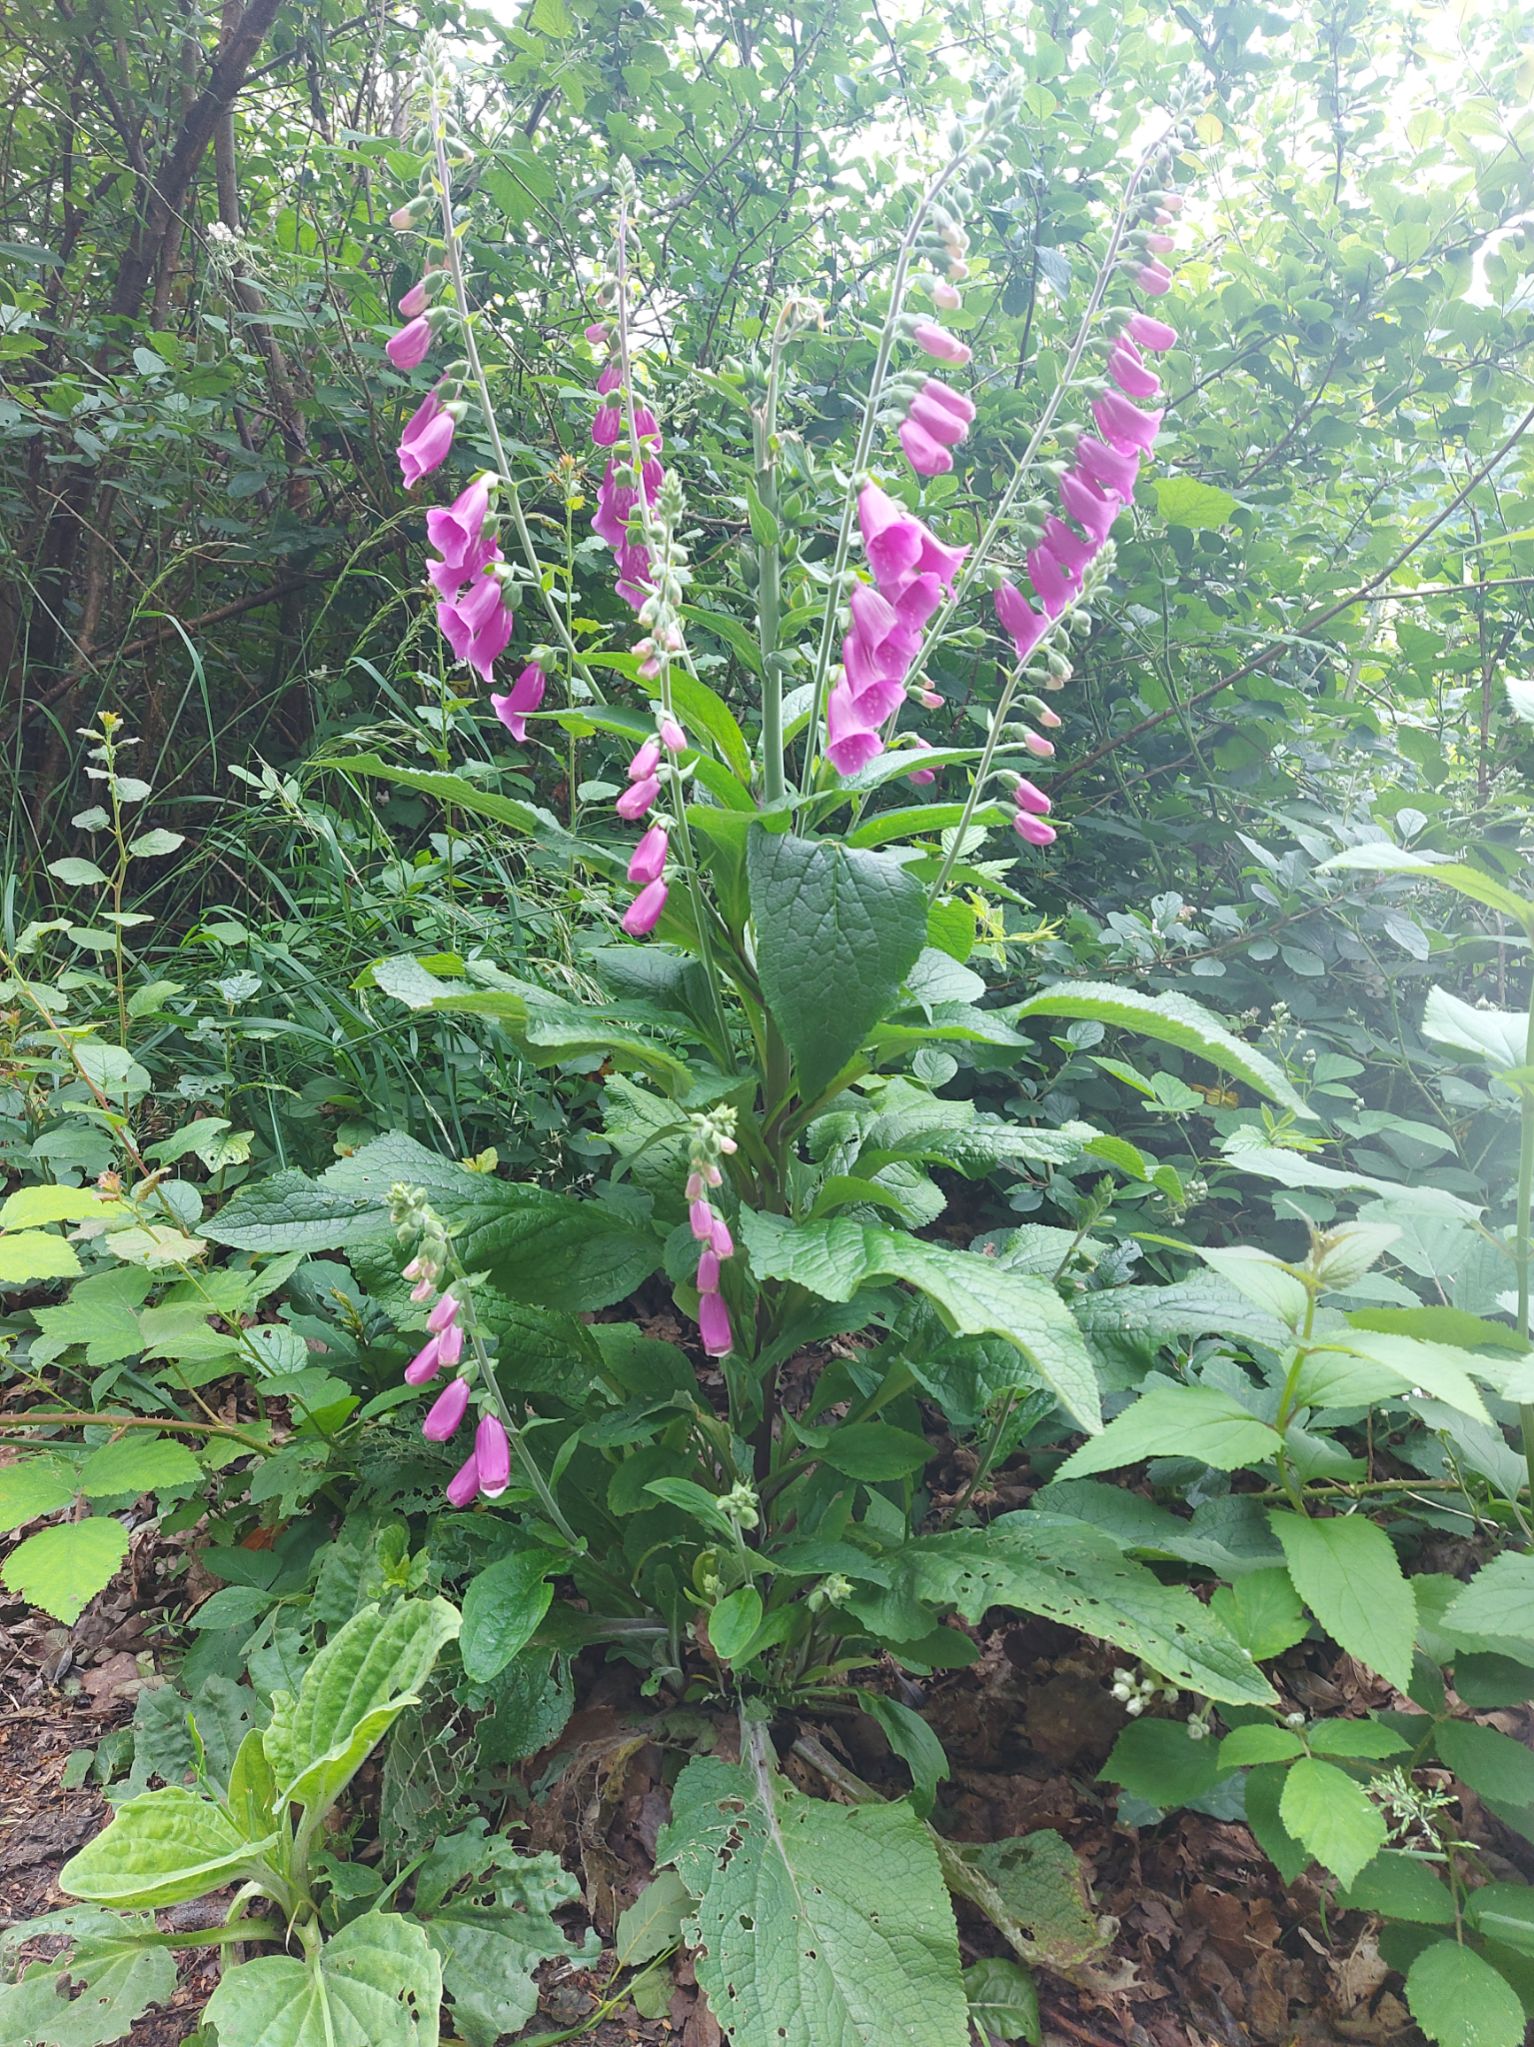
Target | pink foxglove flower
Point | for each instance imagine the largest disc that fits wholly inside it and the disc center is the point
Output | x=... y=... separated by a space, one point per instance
x=607 y=425
x=1146 y=331
x=647 y=863
x=636 y=799
x=700 y=1220
x=940 y=344
x=463 y=1486
x=413 y=304
x=1130 y=373
x=899 y=546
x=596 y=333
x=643 y=913
x=1018 y=617
x=645 y=762
x=722 y=1242
x=1159 y=243
x=1033 y=830
x=1068 y=548
x=921 y=776
x=1111 y=469
x=853 y=736
x=402 y=219
x=1125 y=425
x=714 y=1326
x=1052 y=585
x=708 y=1272
x=407 y=349
x=1093 y=512
x=450 y=1345
x=927 y=456
x=610 y=379
x=944 y=414
x=1154 y=278
x=1041 y=748
x=457 y=532
x=1029 y=797
x=945 y=295
x=672 y=737
x=492 y=1453
x=445 y=1312
x=426 y=1363
x=445 y=1413
x=477 y=625
x=520 y=701
x=427 y=439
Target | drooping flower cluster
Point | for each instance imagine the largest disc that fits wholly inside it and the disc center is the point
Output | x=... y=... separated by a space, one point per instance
x=486 y=1472
x=911 y=569
x=713 y=1138
x=618 y=494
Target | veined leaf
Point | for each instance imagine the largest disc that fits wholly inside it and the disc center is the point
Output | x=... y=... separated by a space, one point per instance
x=160 y=1849
x=376 y=1983
x=1331 y=1816
x=1382 y=858
x=1460 y=2000
x=1178 y=1421
x=1347 y=1572
x=62 y=1569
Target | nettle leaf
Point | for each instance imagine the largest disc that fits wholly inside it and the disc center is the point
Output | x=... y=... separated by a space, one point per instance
x=32 y=1487
x=29 y=1206
x=1263 y=1612
x=974 y=1295
x=62 y=1569
x=1460 y=2000
x=1178 y=1421
x=1076 y=1574
x=160 y=1849
x=816 y=1925
x=1188 y=501
x=1247 y=1747
x=537 y=1246
x=1499 y=1600
x=351 y=1694
x=1495 y=1765
x=1347 y=1572
x=838 y=928
x=1161 y=1762
x=138 y=1463
x=1331 y=1816
x=1401 y=1886
x=377 y=1983
x=1497 y=1037
x=1171 y=1019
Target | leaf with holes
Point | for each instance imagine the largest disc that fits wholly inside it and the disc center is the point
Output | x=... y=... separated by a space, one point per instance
x=816 y=1925
x=377 y=1983
x=94 y=1992
x=1076 y=1574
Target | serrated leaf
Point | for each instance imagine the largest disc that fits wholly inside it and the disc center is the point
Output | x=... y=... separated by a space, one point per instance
x=974 y=1295
x=1188 y=501
x=1400 y=1886
x=1363 y=1740
x=376 y=1983
x=1347 y=1572
x=29 y=1206
x=62 y=1569
x=137 y=1463
x=1178 y=1421
x=28 y=1255
x=1332 y=1817
x=493 y=1937
x=1459 y=1999
x=1171 y=1019
x=1499 y=1600
x=1159 y=1761
x=1263 y=1612
x=1495 y=1765
x=1040 y=1881
x=1498 y=1037
x=1074 y=1573
x=1380 y=858
x=160 y=1849
x=351 y=1694
x=1259 y=1743
x=838 y=928
x=34 y=1486
x=816 y=1925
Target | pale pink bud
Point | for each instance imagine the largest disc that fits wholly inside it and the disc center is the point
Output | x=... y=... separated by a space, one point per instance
x=644 y=912
x=1049 y=719
x=417 y=1269
x=929 y=699
x=1154 y=278
x=596 y=333
x=492 y=1453
x=445 y=1312
x=1145 y=331
x=450 y=1344
x=1172 y=202
x=700 y=1220
x=645 y=762
x=1042 y=748
x=939 y=343
x=713 y=1176
x=708 y=1273
x=945 y=295
x=1159 y=244
x=714 y=1326
x=423 y=1289
x=426 y=1363
x=648 y=861
x=445 y=1413
x=402 y=219
x=1033 y=830
x=672 y=737
x=414 y=301
x=636 y=799
x=720 y=1240
x=463 y=1486
x=407 y=349
x=693 y=1191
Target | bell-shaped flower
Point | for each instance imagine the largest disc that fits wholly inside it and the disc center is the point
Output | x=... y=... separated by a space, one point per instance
x=708 y=1272
x=407 y=349
x=940 y=344
x=643 y=913
x=854 y=737
x=426 y=1363
x=714 y=1326
x=607 y=425
x=921 y=776
x=520 y=701
x=1017 y=616
x=1033 y=830
x=899 y=546
x=1131 y=374
x=611 y=377
x=456 y=531
x=1123 y=424
x=445 y=1413
x=637 y=798
x=1154 y=278
x=645 y=762
x=935 y=395
x=1093 y=512
x=927 y=456
x=1053 y=587
x=647 y=863
x=1041 y=748
x=1111 y=469
x=722 y=1242
x=463 y=1486
x=445 y=1313
x=450 y=1344
x=492 y=1453
x=1029 y=797
x=1146 y=331
x=427 y=439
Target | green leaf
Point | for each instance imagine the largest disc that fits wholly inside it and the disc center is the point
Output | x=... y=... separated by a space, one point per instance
x=1264 y=1795
x=653 y=1923
x=1398 y=1364
x=1171 y=1019
x=875 y=1451
x=1493 y=1764
x=1178 y=1421
x=1263 y=1612
x=1259 y=1743
x=733 y=1623
x=62 y=1569
x=1326 y=1811
x=138 y=1463
x=1347 y=1573
x=1380 y=858
x=493 y=1937
x=377 y=1983
x=913 y=1741
x=816 y=1925
x=1159 y=1761
x=1040 y=1881
x=838 y=928
x=501 y=1609
x=1362 y=1739
x=29 y=1206
x=1187 y=501
x=1497 y=1037
x=36 y=1254
x=1262 y=1279
x=1499 y=1600
x=160 y=1849
x=150 y=845
x=1003 y=2002
x=31 y=1487
x=351 y=1694
x=1400 y=1886
x=95 y=1991
x=1459 y=2000
x=974 y=1295
x=1504 y=1912
x=1074 y=1573
x=77 y=873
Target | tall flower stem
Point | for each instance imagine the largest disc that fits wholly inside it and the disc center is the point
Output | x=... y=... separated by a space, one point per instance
x=1523 y=1243
x=770 y=574
x=509 y=493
